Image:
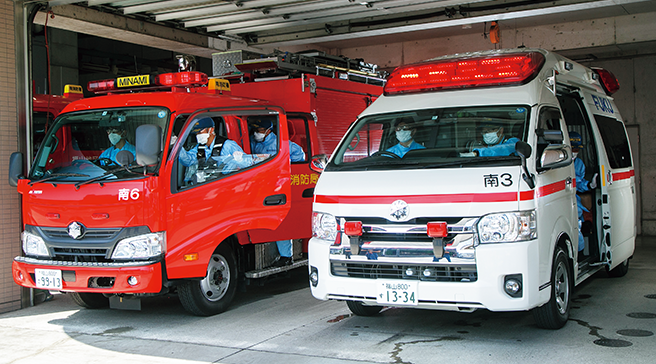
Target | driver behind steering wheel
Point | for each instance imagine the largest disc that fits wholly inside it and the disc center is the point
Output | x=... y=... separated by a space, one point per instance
x=405 y=131
x=117 y=138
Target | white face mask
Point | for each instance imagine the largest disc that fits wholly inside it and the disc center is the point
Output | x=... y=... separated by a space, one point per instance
x=574 y=154
x=114 y=138
x=404 y=135
x=202 y=138
x=259 y=136
x=491 y=138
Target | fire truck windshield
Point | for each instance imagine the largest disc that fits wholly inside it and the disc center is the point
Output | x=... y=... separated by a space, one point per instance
x=434 y=138
x=95 y=145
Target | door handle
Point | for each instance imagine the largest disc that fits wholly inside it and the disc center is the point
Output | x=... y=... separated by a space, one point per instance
x=275 y=200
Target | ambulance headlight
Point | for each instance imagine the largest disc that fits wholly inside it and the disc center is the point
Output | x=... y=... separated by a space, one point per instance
x=34 y=244
x=507 y=227
x=324 y=226
x=141 y=246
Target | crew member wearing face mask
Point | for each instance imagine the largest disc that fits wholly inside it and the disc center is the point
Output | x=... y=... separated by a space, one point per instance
x=405 y=131
x=211 y=149
x=582 y=185
x=495 y=142
x=116 y=136
x=264 y=141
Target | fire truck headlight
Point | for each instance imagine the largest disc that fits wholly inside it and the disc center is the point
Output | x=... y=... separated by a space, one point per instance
x=141 y=246
x=324 y=226
x=507 y=227
x=34 y=244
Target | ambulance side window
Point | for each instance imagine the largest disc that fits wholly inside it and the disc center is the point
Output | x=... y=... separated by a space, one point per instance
x=615 y=141
x=549 y=119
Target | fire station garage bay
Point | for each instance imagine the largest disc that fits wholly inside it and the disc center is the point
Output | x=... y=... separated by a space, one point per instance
x=45 y=45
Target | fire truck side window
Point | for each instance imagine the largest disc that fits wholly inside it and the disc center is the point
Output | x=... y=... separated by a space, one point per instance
x=298 y=134
x=208 y=153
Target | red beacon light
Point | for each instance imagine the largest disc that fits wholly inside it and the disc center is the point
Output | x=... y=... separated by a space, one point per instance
x=506 y=69
x=179 y=79
x=353 y=228
x=437 y=229
x=608 y=80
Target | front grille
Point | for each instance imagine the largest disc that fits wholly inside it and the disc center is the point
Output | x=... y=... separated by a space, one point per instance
x=80 y=254
x=439 y=273
x=62 y=233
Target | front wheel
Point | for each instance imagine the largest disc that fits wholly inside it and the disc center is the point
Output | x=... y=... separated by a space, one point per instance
x=90 y=300
x=620 y=270
x=214 y=293
x=360 y=309
x=554 y=313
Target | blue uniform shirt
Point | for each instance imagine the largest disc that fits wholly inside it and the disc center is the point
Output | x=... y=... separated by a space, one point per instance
x=401 y=150
x=189 y=157
x=506 y=147
x=111 y=152
x=268 y=146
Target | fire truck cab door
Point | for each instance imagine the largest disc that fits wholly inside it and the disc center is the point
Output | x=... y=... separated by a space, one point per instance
x=237 y=192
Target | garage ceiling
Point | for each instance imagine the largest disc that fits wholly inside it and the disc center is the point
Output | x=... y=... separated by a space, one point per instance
x=352 y=23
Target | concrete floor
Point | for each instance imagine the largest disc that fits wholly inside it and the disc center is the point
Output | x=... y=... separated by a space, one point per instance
x=281 y=322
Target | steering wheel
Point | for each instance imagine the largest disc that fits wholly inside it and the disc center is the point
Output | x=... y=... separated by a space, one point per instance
x=386 y=154
x=105 y=162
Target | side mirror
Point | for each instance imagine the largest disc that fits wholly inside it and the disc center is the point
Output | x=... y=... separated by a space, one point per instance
x=551 y=136
x=524 y=151
x=124 y=158
x=555 y=156
x=148 y=144
x=15 y=168
x=318 y=162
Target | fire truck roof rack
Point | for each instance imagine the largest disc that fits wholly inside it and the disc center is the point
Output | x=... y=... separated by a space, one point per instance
x=246 y=66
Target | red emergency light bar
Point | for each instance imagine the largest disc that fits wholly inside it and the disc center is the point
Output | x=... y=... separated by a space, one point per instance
x=608 y=80
x=507 y=69
x=179 y=79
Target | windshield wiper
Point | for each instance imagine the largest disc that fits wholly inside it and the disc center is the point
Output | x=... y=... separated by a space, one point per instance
x=55 y=175
x=111 y=171
x=474 y=160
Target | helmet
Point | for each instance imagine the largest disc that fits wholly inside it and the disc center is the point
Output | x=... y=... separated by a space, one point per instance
x=575 y=139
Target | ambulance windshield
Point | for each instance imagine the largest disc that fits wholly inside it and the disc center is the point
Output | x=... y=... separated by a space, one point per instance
x=434 y=138
x=96 y=145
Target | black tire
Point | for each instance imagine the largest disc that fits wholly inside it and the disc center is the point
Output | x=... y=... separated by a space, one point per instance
x=214 y=293
x=90 y=300
x=620 y=270
x=360 y=309
x=555 y=313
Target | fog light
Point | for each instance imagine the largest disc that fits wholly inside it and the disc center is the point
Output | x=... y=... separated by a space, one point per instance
x=20 y=276
x=427 y=272
x=314 y=276
x=513 y=285
x=133 y=281
x=409 y=272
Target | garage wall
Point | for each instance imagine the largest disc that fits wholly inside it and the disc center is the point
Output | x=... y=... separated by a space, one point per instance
x=10 y=293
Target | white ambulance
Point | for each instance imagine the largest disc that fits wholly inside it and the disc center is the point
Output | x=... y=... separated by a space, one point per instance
x=457 y=189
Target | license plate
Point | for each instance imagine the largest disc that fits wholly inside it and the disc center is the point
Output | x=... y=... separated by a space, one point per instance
x=397 y=292
x=48 y=278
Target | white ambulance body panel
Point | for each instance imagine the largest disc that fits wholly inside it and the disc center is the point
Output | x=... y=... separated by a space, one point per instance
x=461 y=197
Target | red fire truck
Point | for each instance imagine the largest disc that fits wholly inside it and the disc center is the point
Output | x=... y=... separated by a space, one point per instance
x=45 y=109
x=111 y=222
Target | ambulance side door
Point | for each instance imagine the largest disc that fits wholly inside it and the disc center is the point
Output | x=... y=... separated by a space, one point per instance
x=618 y=198
x=555 y=190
